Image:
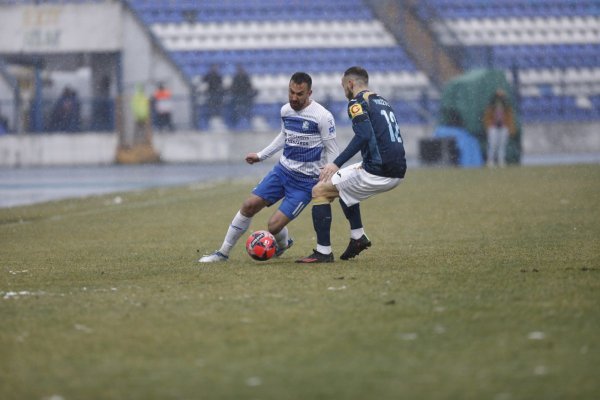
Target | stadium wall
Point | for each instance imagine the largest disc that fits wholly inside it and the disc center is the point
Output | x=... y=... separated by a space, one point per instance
x=219 y=146
x=559 y=138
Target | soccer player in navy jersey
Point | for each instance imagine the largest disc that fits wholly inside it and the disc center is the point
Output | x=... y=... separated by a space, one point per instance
x=308 y=140
x=377 y=137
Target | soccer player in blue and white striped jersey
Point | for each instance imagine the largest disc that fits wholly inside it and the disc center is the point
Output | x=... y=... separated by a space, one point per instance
x=308 y=140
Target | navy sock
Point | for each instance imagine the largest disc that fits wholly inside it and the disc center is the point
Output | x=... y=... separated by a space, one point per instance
x=321 y=215
x=352 y=214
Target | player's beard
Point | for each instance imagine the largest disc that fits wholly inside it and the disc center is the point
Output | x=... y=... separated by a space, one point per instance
x=348 y=93
x=296 y=105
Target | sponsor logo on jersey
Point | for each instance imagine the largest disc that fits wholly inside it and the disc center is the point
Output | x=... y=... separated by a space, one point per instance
x=297 y=140
x=355 y=109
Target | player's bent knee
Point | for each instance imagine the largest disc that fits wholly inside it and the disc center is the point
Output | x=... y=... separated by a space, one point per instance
x=318 y=192
x=275 y=227
x=324 y=193
x=251 y=206
x=277 y=222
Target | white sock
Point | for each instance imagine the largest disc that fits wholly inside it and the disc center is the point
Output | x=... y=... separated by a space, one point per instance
x=323 y=249
x=282 y=238
x=357 y=233
x=239 y=225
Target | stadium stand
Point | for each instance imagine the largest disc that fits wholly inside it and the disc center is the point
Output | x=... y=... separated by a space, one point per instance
x=553 y=44
x=160 y=11
x=330 y=37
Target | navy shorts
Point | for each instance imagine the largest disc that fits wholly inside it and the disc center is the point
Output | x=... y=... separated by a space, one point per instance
x=281 y=184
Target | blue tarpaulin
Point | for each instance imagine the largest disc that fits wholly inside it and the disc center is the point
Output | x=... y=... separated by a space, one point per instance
x=468 y=145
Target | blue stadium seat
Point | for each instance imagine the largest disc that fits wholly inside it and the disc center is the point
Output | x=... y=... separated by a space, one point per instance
x=317 y=60
x=512 y=8
x=220 y=11
x=547 y=56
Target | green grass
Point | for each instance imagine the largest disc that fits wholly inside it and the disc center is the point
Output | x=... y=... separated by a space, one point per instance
x=467 y=269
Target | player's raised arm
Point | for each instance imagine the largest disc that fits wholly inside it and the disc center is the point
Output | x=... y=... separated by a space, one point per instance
x=273 y=147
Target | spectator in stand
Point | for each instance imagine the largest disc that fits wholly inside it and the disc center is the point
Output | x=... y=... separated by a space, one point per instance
x=103 y=107
x=215 y=91
x=66 y=115
x=3 y=124
x=242 y=96
x=499 y=123
x=163 y=106
x=140 y=105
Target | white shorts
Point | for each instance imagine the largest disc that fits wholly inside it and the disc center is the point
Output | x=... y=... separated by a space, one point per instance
x=355 y=184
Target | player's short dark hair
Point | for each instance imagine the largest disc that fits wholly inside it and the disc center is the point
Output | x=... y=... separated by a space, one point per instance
x=359 y=72
x=302 y=77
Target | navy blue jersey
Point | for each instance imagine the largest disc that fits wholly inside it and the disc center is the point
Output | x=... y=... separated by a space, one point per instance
x=376 y=136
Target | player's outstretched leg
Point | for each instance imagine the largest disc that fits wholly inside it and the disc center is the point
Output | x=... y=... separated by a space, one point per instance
x=239 y=225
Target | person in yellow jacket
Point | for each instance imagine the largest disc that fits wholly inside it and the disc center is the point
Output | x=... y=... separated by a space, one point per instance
x=499 y=123
x=140 y=105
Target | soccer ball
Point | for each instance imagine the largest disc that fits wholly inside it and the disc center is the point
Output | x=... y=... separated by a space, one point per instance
x=261 y=245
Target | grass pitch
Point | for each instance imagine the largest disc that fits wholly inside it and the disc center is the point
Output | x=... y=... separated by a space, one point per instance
x=481 y=284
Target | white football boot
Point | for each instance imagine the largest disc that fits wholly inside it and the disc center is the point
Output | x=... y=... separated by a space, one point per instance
x=217 y=256
x=280 y=252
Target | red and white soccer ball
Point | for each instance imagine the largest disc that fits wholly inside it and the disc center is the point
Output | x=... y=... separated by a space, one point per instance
x=261 y=245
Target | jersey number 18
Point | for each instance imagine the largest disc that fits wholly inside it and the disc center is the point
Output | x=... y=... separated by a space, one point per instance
x=392 y=126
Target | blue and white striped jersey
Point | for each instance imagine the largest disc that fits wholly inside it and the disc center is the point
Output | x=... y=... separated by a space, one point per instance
x=308 y=139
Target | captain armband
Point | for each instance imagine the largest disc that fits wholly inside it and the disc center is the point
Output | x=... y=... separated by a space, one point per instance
x=320 y=200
